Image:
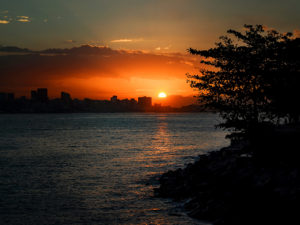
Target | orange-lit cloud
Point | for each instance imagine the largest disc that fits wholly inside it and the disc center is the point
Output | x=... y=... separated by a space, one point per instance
x=4 y=21
x=23 y=19
x=296 y=33
x=125 y=40
x=70 y=41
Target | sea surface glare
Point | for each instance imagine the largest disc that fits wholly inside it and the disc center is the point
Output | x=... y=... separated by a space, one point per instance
x=97 y=168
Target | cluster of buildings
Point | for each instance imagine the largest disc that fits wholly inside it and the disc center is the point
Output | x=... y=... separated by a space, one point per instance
x=144 y=102
x=39 y=102
x=7 y=97
x=41 y=95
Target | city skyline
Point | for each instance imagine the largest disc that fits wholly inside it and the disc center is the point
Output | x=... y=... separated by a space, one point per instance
x=42 y=95
x=39 y=102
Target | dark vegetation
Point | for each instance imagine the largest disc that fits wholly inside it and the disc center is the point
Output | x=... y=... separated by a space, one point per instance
x=252 y=79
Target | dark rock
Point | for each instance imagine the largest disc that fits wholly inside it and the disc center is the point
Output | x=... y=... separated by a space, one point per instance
x=231 y=186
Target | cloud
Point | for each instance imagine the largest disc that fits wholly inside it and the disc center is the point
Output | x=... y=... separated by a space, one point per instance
x=5 y=18
x=296 y=33
x=163 y=48
x=87 y=50
x=94 y=60
x=190 y=63
x=13 y=49
x=4 y=21
x=70 y=41
x=168 y=47
x=125 y=40
x=121 y=41
x=23 y=19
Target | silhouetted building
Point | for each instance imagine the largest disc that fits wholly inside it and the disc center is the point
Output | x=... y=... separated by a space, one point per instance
x=23 y=98
x=157 y=106
x=145 y=102
x=4 y=97
x=10 y=97
x=33 y=95
x=125 y=101
x=42 y=94
x=65 y=104
x=114 y=99
x=133 y=101
x=65 y=97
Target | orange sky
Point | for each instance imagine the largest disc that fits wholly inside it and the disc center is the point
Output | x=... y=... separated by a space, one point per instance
x=100 y=72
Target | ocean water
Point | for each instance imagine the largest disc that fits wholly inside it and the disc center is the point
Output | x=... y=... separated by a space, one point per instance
x=97 y=168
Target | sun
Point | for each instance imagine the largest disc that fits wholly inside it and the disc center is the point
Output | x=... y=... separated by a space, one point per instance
x=162 y=95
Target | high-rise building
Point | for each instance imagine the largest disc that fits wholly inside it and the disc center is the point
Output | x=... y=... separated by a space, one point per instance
x=145 y=102
x=133 y=101
x=114 y=99
x=65 y=97
x=7 y=96
x=41 y=95
x=2 y=96
x=10 y=96
x=33 y=95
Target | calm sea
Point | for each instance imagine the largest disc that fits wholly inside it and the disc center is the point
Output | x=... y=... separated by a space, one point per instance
x=97 y=168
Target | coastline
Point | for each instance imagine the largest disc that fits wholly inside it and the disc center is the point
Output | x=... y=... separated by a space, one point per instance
x=230 y=186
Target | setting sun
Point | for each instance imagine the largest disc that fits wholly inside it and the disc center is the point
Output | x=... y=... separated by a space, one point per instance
x=162 y=95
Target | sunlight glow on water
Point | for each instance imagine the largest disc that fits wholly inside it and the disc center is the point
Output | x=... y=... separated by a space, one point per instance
x=96 y=168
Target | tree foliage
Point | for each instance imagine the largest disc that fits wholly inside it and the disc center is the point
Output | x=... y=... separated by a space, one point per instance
x=251 y=77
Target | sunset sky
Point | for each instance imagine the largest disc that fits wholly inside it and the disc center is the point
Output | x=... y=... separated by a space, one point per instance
x=129 y=48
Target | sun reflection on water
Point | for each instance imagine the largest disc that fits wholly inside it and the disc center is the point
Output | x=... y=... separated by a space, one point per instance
x=161 y=141
x=160 y=149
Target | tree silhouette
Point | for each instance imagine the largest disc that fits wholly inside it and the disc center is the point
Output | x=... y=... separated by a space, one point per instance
x=251 y=78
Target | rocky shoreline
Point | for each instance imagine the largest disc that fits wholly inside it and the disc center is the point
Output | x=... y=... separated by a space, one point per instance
x=231 y=186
